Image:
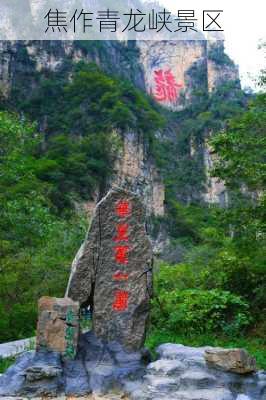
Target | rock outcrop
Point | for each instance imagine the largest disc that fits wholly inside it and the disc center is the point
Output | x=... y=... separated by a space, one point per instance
x=136 y=171
x=112 y=272
x=170 y=71
x=33 y=374
x=221 y=69
x=215 y=190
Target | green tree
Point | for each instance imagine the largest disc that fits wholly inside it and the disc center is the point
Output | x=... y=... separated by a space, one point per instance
x=36 y=246
x=241 y=151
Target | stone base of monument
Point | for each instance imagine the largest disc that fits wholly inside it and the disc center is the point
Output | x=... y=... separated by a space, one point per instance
x=180 y=373
x=98 y=367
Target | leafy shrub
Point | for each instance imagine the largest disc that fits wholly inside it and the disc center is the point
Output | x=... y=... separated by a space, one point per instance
x=172 y=277
x=242 y=274
x=29 y=272
x=194 y=311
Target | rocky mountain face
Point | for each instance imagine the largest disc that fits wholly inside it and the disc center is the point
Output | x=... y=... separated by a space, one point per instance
x=169 y=71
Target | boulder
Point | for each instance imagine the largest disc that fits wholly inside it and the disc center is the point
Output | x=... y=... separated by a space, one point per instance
x=58 y=325
x=33 y=374
x=44 y=375
x=182 y=373
x=233 y=360
x=112 y=272
x=11 y=382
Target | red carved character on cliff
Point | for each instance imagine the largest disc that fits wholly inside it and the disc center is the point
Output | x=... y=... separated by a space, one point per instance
x=167 y=89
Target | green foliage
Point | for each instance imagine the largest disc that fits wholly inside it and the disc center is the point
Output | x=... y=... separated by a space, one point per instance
x=43 y=175
x=36 y=246
x=242 y=148
x=224 y=248
x=21 y=192
x=219 y=289
x=29 y=272
x=180 y=157
x=5 y=363
x=75 y=167
x=83 y=119
x=127 y=57
x=215 y=259
x=188 y=221
x=184 y=309
x=91 y=102
x=169 y=278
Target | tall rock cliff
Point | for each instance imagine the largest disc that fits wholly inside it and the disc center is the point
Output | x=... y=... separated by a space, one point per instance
x=171 y=72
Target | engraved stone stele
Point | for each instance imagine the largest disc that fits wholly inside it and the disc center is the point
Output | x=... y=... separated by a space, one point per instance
x=112 y=272
x=58 y=325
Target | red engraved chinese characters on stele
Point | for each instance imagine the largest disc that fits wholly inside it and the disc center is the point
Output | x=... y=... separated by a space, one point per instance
x=120 y=301
x=167 y=89
x=121 y=254
x=121 y=250
x=120 y=276
x=121 y=233
x=123 y=208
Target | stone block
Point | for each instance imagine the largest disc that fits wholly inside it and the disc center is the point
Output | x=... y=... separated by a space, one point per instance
x=58 y=325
